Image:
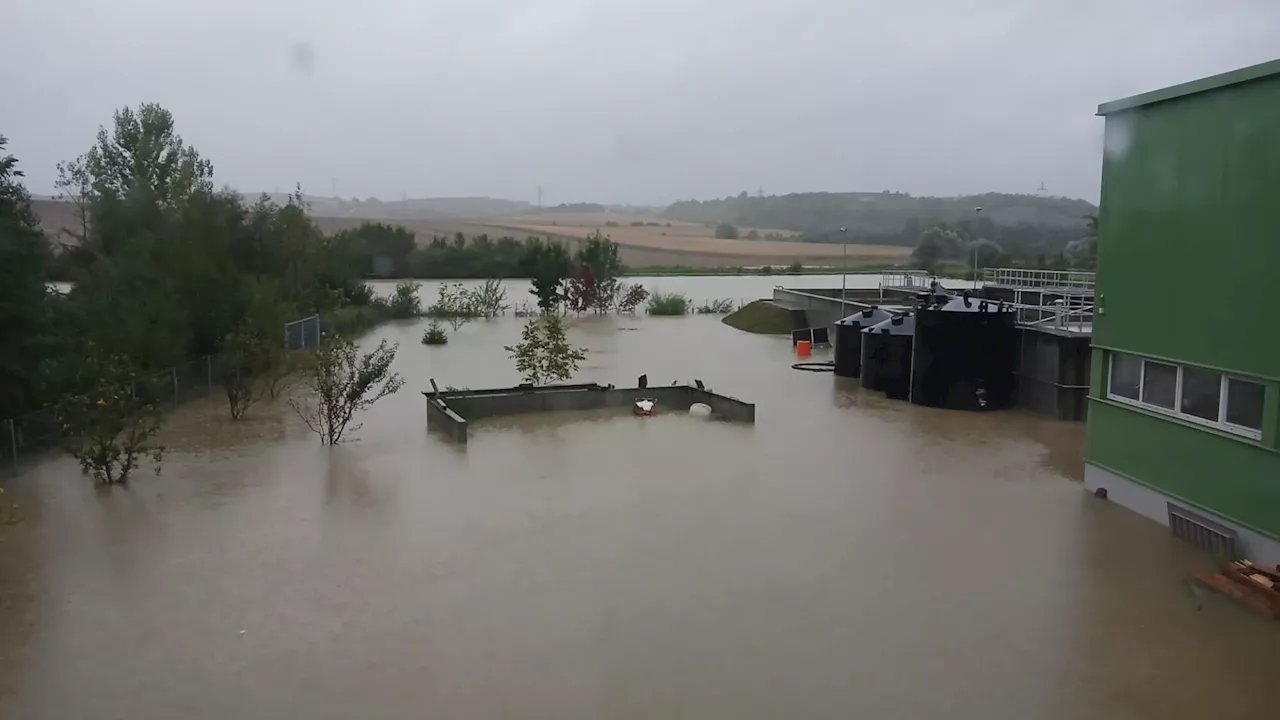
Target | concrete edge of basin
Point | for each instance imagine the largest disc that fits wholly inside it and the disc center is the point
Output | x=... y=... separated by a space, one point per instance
x=449 y=411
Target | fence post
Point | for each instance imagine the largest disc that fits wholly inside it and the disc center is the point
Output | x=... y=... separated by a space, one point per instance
x=208 y=361
x=174 y=372
x=13 y=443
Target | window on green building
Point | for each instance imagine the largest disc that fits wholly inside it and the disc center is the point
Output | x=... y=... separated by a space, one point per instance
x=1205 y=397
x=1159 y=384
x=1244 y=403
x=1201 y=393
x=1126 y=376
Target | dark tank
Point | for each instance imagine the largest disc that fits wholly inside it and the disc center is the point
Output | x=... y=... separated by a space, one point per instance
x=964 y=354
x=886 y=356
x=848 y=344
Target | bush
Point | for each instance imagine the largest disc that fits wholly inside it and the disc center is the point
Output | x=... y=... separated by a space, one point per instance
x=722 y=306
x=610 y=223
x=727 y=231
x=753 y=235
x=795 y=268
x=405 y=302
x=631 y=297
x=434 y=335
x=766 y=270
x=668 y=304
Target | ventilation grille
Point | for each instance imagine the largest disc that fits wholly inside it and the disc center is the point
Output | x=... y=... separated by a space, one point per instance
x=1202 y=532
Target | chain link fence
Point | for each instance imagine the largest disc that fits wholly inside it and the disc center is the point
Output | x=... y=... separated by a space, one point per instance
x=26 y=436
x=302 y=334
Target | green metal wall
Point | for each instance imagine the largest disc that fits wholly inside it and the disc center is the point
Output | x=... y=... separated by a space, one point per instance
x=1189 y=271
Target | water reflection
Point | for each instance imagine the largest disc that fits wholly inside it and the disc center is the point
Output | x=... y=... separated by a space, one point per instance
x=848 y=555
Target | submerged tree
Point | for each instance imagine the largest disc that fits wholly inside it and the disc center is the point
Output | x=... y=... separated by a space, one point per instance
x=108 y=424
x=342 y=382
x=547 y=264
x=544 y=354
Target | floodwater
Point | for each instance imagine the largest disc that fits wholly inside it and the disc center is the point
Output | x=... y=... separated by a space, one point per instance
x=846 y=556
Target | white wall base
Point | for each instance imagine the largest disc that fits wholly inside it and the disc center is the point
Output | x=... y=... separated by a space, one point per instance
x=1153 y=504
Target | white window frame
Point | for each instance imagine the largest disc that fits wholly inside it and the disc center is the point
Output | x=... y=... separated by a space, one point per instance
x=1219 y=424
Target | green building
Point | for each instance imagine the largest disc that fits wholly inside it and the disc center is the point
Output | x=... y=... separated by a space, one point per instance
x=1184 y=406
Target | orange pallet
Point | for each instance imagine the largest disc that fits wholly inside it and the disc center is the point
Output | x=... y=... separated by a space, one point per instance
x=1242 y=590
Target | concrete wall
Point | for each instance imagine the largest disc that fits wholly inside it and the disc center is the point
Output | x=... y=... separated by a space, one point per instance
x=1053 y=374
x=442 y=418
x=1153 y=504
x=449 y=412
x=822 y=306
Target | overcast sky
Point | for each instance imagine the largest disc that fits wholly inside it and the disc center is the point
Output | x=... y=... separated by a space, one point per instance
x=642 y=101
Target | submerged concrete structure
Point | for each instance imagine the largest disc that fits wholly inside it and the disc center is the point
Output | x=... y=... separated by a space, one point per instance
x=449 y=411
x=1053 y=315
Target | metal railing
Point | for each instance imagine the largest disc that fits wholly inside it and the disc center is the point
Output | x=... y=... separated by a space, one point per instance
x=1069 y=314
x=912 y=279
x=1077 y=280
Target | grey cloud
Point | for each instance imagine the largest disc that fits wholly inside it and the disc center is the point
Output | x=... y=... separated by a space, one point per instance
x=616 y=100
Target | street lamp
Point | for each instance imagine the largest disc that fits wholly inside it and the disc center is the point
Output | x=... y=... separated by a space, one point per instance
x=844 y=266
x=978 y=213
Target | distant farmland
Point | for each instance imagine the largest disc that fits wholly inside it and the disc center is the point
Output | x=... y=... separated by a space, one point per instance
x=663 y=244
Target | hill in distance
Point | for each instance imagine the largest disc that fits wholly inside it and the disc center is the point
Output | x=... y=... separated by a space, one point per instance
x=885 y=216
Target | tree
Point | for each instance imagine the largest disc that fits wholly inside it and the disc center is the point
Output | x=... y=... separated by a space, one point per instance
x=547 y=264
x=986 y=252
x=726 y=231
x=600 y=255
x=405 y=302
x=581 y=293
x=632 y=297
x=544 y=354
x=253 y=356
x=385 y=250
x=25 y=257
x=928 y=252
x=108 y=424
x=143 y=152
x=342 y=382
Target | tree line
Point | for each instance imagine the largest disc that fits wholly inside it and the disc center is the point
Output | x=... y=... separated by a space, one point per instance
x=1024 y=226
x=164 y=268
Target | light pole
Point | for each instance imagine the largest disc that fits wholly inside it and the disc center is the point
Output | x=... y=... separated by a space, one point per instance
x=978 y=213
x=844 y=266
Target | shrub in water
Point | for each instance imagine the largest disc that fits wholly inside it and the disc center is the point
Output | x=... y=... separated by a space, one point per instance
x=434 y=335
x=668 y=304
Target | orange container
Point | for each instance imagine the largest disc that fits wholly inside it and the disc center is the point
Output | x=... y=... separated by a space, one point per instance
x=803 y=348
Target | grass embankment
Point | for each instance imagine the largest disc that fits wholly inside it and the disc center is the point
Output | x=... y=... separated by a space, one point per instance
x=761 y=317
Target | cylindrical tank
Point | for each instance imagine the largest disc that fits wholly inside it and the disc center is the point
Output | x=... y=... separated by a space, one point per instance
x=848 y=343
x=964 y=355
x=886 y=356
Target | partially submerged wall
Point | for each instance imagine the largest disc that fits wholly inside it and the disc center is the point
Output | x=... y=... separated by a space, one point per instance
x=450 y=411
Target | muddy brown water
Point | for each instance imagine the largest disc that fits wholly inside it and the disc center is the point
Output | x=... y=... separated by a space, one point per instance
x=846 y=556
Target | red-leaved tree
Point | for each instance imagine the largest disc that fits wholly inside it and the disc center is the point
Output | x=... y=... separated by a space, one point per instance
x=583 y=293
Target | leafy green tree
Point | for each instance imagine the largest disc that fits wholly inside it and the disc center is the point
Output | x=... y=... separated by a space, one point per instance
x=107 y=424
x=342 y=382
x=143 y=152
x=25 y=257
x=547 y=264
x=727 y=231
x=986 y=252
x=405 y=302
x=385 y=250
x=544 y=354
x=600 y=255
x=928 y=252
